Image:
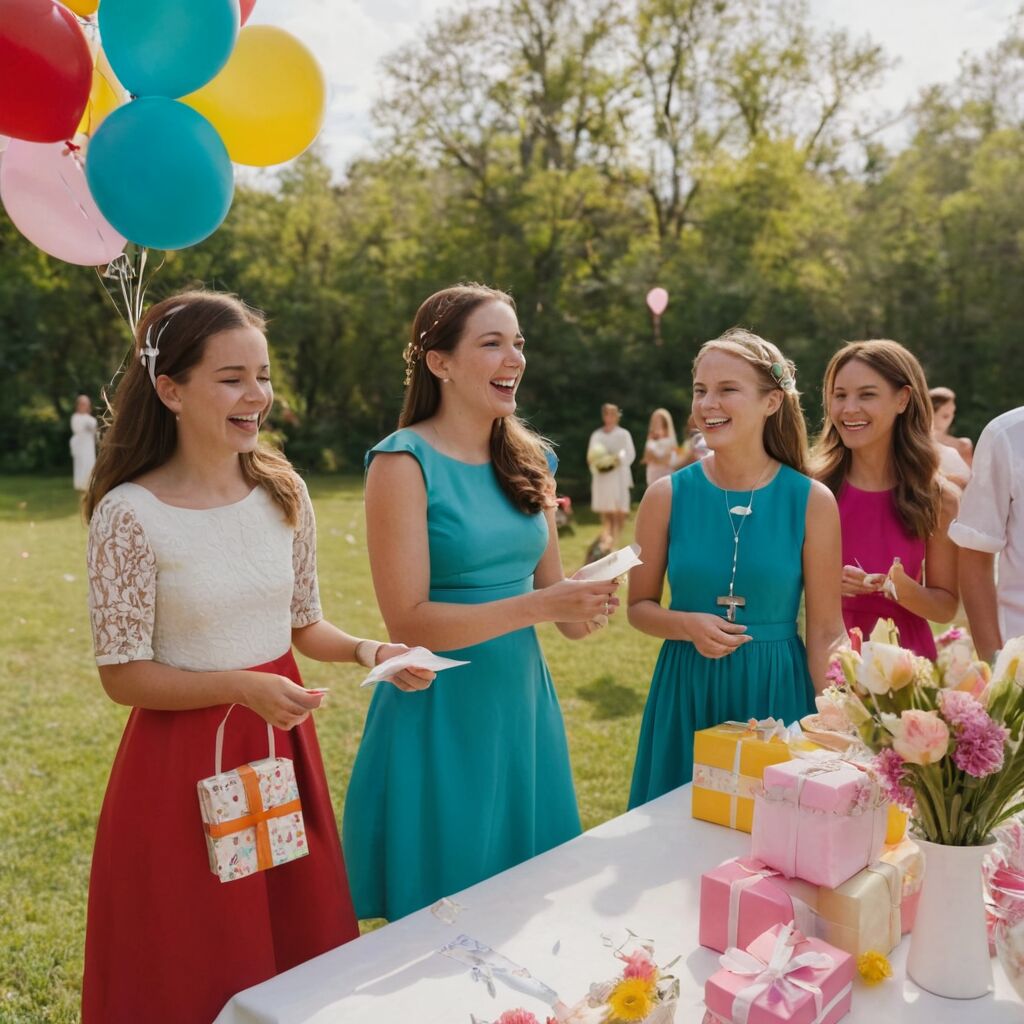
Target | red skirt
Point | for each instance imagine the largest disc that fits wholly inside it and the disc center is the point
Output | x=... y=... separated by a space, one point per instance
x=166 y=941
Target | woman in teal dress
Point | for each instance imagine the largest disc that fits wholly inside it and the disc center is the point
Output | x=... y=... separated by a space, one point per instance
x=458 y=782
x=741 y=534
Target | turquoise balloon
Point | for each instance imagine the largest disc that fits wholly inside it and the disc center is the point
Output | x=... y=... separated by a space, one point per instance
x=160 y=174
x=167 y=47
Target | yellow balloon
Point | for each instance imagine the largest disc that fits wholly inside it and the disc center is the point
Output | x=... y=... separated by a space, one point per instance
x=268 y=101
x=83 y=8
x=105 y=95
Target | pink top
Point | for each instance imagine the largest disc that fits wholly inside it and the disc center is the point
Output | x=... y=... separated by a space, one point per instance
x=872 y=537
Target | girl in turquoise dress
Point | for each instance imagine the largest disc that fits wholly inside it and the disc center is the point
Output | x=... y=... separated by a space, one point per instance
x=458 y=782
x=741 y=535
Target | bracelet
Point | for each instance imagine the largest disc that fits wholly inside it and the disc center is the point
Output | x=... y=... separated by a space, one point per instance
x=367 y=656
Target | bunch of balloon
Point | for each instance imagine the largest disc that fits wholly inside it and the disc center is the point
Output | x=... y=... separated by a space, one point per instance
x=657 y=303
x=125 y=118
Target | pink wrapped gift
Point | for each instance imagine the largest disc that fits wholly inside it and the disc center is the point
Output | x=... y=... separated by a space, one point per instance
x=742 y=898
x=819 y=820
x=908 y=858
x=780 y=976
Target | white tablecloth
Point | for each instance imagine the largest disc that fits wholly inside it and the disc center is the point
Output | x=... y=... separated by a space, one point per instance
x=639 y=871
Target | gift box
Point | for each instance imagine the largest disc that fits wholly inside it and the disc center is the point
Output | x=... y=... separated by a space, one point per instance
x=252 y=815
x=908 y=858
x=820 y=820
x=742 y=898
x=728 y=761
x=781 y=976
x=864 y=913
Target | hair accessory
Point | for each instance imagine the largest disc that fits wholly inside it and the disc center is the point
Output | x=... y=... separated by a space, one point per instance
x=151 y=349
x=414 y=352
x=783 y=377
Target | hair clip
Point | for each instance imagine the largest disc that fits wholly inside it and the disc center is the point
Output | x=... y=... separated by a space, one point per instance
x=782 y=377
x=149 y=352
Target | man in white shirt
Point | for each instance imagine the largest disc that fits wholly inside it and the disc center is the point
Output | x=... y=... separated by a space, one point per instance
x=991 y=522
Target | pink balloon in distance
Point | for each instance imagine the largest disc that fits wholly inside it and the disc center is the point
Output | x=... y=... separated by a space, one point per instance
x=245 y=8
x=657 y=301
x=45 y=193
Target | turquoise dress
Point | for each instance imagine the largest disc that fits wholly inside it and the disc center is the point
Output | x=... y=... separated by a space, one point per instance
x=766 y=677
x=457 y=782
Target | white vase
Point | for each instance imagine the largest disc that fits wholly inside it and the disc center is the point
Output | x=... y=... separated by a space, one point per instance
x=949 y=944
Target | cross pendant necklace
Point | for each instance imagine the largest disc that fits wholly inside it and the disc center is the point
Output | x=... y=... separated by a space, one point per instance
x=732 y=600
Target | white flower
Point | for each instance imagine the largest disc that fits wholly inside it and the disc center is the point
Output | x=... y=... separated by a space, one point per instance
x=1010 y=663
x=884 y=667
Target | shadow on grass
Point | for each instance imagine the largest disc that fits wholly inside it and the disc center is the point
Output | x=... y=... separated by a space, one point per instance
x=610 y=699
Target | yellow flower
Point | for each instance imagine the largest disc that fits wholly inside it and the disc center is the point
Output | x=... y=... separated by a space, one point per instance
x=873 y=967
x=631 y=999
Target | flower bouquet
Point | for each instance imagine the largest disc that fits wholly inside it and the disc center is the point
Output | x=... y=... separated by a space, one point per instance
x=947 y=740
x=601 y=459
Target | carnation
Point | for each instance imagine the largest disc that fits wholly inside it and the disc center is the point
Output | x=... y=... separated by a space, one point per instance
x=892 y=772
x=980 y=747
x=639 y=965
x=517 y=1017
x=958 y=707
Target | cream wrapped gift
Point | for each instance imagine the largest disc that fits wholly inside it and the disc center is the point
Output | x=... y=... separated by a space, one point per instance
x=252 y=814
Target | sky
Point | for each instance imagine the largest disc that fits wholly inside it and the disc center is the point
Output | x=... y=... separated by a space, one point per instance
x=349 y=37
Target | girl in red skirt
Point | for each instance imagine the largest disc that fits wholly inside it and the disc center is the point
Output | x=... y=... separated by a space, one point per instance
x=202 y=571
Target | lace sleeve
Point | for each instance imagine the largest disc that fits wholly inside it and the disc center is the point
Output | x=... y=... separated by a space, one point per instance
x=122 y=585
x=306 y=593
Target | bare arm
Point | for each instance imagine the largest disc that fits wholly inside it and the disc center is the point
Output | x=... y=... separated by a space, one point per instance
x=713 y=636
x=937 y=598
x=157 y=687
x=822 y=565
x=978 y=585
x=396 y=533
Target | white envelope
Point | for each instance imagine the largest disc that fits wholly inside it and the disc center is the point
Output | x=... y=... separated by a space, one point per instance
x=611 y=566
x=418 y=657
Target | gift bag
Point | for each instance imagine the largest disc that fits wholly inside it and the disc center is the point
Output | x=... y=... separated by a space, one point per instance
x=252 y=816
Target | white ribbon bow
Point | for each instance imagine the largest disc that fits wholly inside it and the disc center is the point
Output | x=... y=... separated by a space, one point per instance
x=765 y=728
x=803 y=915
x=774 y=975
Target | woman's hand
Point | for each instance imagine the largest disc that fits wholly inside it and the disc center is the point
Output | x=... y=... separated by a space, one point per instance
x=714 y=636
x=409 y=679
x=278 y=700
x=575 y=600
x=857 y=582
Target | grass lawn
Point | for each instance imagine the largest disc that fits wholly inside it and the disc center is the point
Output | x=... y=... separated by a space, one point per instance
x=59 y=731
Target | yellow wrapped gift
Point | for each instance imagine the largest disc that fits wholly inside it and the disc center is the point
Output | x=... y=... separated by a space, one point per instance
x=728 y=762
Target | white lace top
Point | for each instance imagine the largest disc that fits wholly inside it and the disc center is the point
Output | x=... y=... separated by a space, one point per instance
x=203 y=590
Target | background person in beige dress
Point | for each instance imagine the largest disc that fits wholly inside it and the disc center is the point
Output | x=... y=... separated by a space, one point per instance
x=83 y=442
x=955 y=453
x=660 y=451
x=610 y=454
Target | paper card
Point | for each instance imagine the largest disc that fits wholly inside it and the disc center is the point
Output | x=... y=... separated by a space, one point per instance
x=418 y=657
x=611 y=566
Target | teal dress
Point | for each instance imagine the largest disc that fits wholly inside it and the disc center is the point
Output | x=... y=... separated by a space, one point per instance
x=457 y=782
x=765 y=677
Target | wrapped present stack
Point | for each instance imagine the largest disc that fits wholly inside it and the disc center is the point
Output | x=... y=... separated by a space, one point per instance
x=829 y=874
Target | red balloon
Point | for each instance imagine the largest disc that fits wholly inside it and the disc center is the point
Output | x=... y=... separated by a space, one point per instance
x=47 y=71
x=246 y=7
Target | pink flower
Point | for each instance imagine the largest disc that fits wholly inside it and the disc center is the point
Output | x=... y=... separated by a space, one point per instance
x=920 y=737
x=958 y=707
x=834 y=674
x=517 y=1017
x=979 y=740
x=639 y=965
x=949 y=637
x=892 y=775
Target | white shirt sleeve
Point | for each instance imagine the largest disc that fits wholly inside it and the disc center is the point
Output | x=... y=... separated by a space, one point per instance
x=985 y=506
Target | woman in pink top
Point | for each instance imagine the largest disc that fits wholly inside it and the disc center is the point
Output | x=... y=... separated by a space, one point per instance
x=876 y=454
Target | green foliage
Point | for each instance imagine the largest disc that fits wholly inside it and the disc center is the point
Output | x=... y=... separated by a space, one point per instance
x=577 y=152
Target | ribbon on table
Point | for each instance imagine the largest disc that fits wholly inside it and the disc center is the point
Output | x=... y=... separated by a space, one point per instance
x=894 y=882
x=803 y=915
x=258 y=815
x=774 y=975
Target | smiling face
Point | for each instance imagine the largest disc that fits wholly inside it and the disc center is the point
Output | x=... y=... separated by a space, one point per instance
x=484 y=369
x=730 y=406
x=227 y=394
x=863 y=405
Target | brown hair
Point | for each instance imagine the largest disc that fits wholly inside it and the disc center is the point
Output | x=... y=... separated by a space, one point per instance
x=941 y=397
x=785 y=432
x=519 y=456
x=140 y=432
x=918 y=494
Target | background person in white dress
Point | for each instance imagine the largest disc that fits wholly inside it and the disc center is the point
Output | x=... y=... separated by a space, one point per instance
x=660 y=451
x=83 y=442
x=990 y=523
x=955 y=453
x=610 y=456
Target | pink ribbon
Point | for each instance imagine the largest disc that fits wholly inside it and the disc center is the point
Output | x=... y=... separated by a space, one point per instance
x=774 y=975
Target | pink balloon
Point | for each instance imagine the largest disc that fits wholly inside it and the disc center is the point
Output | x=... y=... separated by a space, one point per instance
x=245 y=9
x=44 y=190
x=657 y=301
